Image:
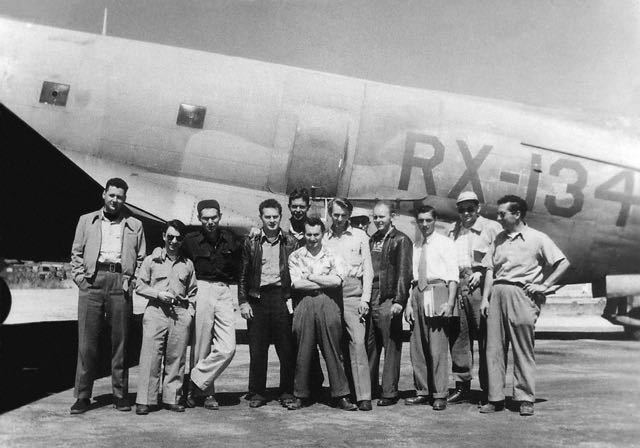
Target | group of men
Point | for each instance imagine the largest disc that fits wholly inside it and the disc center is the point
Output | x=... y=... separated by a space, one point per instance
x=309 y=286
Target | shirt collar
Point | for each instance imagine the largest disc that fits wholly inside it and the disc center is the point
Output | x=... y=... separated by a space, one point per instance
x=428 y=240
x=521 y=233
x=263 y=236
x=386 y=235
x=160 y=254
x=347 y=231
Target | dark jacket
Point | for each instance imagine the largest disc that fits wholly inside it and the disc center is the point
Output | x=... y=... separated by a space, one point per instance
x=396 y=267
x=251 y=266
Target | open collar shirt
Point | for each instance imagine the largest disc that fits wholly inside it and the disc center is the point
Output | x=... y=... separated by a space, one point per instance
x=159 y=273
x=520 y=257
x=473 y=243
x=353 y=247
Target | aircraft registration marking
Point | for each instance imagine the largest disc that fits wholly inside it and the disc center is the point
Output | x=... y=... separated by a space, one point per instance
x=618 y=188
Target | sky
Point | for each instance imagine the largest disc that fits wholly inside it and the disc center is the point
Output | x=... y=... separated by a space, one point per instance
x=573 y=55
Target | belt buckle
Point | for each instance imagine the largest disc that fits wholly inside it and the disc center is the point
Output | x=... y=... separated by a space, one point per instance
x=112 y=267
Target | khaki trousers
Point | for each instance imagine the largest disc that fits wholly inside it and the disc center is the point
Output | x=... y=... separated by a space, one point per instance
x=165 y=333
x=215 y=334
x=512 y=318
x=429 y=348
x=357 y=349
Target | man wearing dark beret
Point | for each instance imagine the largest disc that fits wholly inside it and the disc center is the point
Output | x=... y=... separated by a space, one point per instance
x=215 y=253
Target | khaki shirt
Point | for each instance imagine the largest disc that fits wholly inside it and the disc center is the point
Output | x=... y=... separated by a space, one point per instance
x=521 y=257
x=159 y=273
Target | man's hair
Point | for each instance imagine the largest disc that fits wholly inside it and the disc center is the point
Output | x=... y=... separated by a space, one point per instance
x=176 y=224
x=299 y=193
x=270 y=203
x=516 y=204
x=313 y=221
x=116 y=182
x=389 y=204
x=342 y=203
x=425 y=209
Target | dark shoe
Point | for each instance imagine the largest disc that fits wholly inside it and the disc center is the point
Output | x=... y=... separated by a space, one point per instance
x=491 y=407
x=142 y=409
x=298 y=403
x=257 y=401
x=80 y=406
x=345 y=404
x=526 y=408
x=192 y=401
x=420 y=399
x=457 y=396
x=387 y=401
x=439 y=404
x=286 y=399
x=174 y=407
x=364 y=405
x=211 y=403
x=122 y=404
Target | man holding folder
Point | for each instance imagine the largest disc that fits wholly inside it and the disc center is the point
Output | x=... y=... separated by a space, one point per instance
x=435 y=275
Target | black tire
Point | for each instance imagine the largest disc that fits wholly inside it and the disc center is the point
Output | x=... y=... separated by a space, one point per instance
x=5 y=300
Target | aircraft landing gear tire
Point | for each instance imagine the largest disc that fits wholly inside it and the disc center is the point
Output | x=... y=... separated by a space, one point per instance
x=5 y=300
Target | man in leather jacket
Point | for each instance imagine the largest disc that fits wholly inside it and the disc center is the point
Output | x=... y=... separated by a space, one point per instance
x=264 y=295
x=391 y=254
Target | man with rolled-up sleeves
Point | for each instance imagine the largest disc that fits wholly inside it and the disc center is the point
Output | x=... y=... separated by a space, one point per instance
x=522 y=264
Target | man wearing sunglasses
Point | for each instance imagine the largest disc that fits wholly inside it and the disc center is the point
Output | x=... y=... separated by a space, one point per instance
x=168 y=280
x=473 y=234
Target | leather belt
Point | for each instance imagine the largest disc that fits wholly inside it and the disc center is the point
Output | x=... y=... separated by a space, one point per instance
x=109 y=267
x=506 y=282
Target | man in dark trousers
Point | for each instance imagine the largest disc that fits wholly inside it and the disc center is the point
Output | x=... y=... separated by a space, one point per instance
x=391 y=255
x=263 y=292
x=107 y=250
x=317 y=274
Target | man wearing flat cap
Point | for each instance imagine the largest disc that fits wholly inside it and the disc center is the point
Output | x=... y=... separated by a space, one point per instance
x=215 y=253
x=472 y=235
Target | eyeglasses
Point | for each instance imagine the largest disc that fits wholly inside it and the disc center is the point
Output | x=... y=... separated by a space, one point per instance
x=175 y=237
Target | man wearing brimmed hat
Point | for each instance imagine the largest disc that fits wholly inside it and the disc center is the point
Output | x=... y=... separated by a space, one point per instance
x=215 y=252
x=473 y=234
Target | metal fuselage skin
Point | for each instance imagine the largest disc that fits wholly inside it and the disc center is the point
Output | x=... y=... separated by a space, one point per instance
x=269 y=128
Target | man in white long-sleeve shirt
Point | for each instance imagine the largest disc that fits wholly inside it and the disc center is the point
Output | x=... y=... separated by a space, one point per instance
x=435 y=277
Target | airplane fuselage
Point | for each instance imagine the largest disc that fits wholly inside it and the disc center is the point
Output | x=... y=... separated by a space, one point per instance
x=180 y=125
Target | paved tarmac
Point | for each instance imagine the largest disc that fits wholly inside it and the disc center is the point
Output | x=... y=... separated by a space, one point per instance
x=588 y=396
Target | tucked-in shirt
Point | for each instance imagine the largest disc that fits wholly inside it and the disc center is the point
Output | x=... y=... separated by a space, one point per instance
x=270 y=274
x=302 y=263
x=441 y=259
x=353 y=247
x=159 y=273
x=217 y=260
x=111 y=242
x=473 y=243
x=521 y=256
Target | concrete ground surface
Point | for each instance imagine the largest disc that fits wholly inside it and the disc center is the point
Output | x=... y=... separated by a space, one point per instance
x=588 y=396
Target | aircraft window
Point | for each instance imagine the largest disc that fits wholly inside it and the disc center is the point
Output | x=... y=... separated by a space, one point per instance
x=191 y=116
x=54 y=93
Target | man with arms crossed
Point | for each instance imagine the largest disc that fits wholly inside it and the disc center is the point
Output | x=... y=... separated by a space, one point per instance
x=435 y=273
x=391 y=254
x=107 y=250
x=514 y=278
x=167 y=278
x=317 y=274
x=216 y=255
x=472 y=235
x=352 y=245
x=263 y=291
